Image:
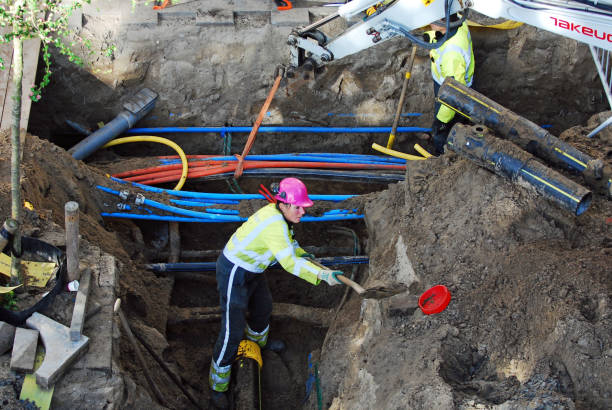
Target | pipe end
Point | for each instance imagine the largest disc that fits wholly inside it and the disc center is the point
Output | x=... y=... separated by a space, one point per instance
x=584 y=203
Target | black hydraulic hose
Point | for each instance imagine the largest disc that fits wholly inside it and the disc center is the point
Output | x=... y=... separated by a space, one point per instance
x=451 y=29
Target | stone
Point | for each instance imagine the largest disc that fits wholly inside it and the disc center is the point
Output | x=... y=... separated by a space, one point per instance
x=24 y=350
x=7 y=335
x=403 y=303
x=60 y=351
x=108 y=271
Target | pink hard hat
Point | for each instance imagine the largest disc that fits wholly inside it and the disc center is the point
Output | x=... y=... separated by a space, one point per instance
x=293 y=191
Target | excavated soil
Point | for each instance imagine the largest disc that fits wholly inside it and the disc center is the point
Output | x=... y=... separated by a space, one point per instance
x=530 y=320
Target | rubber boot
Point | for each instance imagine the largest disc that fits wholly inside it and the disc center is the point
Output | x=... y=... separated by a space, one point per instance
x=219 y=400
x=275 y=345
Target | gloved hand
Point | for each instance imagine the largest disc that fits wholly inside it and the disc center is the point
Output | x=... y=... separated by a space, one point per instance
x=308 y=256
x=330 y=276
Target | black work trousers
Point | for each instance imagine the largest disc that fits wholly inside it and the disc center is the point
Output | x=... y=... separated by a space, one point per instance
x=239 y=291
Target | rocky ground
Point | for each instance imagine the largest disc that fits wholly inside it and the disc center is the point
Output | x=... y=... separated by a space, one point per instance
x=529 y=324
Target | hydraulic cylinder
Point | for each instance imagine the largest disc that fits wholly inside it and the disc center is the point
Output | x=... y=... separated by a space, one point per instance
x=524 y=133
x=477 y=144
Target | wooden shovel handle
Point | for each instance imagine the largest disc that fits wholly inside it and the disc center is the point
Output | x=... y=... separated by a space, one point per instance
x=356 y=286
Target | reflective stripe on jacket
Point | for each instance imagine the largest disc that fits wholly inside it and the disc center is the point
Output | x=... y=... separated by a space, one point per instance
x=264 y=238
x=455 y=58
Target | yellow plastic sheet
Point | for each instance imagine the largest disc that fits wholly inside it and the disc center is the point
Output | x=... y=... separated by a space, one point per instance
x=36 y=273
x=7 y=289
x=32 y=391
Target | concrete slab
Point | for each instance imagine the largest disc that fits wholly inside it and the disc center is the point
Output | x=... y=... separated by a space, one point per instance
x=100 y=326
x=78 y=313
x=292 y=18
x=215 y=18
x=60 y=351
x=174 y=14
x=254 y=5
x=75 y=21
x=7 y=336
x=24 y=350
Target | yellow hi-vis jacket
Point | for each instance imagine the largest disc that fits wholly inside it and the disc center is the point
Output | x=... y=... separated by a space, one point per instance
x=455 y=58
x=264 y=238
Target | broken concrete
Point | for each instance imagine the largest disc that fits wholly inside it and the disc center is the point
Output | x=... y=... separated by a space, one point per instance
x=60 y=351
x=24 y=350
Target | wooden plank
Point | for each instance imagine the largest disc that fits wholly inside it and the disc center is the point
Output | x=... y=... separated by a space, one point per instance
x=31 y=50
x=6 y=52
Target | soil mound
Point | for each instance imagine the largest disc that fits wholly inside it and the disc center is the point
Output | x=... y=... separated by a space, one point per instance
x=529 y=323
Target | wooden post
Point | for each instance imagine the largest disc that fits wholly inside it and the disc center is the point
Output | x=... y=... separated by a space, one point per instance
x=72 y=239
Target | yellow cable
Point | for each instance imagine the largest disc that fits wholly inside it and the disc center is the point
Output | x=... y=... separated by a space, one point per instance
x=397 y=154
x=422 y=151
x=505 y=25
x=390 y=141
x=161 y=140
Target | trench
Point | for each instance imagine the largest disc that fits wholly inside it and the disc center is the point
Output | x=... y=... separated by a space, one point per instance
x=283 y=375
x=191 y=335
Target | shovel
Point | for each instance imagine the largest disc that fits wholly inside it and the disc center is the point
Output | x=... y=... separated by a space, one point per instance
x=378 y=292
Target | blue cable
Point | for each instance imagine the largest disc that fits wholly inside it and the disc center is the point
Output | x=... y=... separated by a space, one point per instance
x=322 y=130
x=188 y=194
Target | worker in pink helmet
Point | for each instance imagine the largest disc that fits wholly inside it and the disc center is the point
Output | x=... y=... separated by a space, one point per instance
x=266 y=237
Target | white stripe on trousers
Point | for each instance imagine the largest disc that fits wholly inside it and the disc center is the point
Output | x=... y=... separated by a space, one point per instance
x=227 y=312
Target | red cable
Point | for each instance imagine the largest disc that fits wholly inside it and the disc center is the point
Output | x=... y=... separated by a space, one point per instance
x=197 y=172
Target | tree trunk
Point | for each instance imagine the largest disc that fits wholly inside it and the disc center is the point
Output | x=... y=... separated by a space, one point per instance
x=15 y=158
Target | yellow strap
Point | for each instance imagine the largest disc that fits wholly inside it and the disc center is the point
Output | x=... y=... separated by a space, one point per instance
x=506 y=25
x=396 y=153
x=407 y=75
x=251 y=350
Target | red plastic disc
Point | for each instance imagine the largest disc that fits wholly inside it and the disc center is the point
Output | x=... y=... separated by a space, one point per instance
x=434 y=300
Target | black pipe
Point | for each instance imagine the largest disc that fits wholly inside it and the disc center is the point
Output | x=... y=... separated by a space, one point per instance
x=506 y=159
x=524 y=133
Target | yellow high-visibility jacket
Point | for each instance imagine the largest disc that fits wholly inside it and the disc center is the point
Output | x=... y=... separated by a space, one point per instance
x=264 y=238
x=455 y=58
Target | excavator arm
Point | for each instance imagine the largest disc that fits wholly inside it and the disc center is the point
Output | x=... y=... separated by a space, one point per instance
x=375 y=21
